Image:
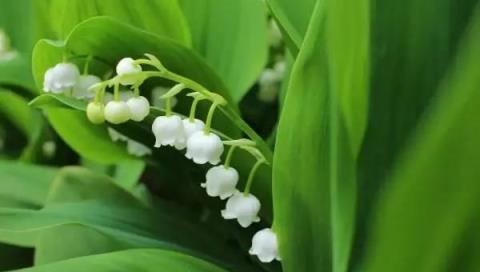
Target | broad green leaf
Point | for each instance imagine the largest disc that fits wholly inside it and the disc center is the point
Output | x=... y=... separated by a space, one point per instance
x=160 y=17
x=132 y=260
x=91 y=141
x=318 y=138
x=427 y=219
x=15 y=108
x=16 y=72
x=93 y=37
x=24 y=185
x=16 y=17
x=82 y=199
x=232 y=37
x=408 y=61
x=293 y=18
x=128 y=173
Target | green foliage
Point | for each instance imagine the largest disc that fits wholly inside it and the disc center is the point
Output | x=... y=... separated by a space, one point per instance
x=132 y=260
x=232 y=37
x=371 y=163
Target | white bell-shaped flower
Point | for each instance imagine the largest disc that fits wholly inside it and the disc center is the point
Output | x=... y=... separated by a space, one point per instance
x=96 y=112
x=61 y=77
x=242 y=207
x=265 y=246
x=117 y=112
x=221 y=181
x=84 y=82
x=268 y=83
x=190 y=127
x=204 y=147
x=139 y=108
x=168 y=130
x=127 y=70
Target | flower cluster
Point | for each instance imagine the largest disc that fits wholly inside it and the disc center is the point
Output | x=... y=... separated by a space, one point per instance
x=202 y=145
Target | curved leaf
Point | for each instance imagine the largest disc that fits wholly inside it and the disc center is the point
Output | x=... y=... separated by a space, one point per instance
x=293 y=18
x=232 y=37
x=318 y=139
x=160 y=17
x=427 y=218
x=81 y=199
x=132 y=260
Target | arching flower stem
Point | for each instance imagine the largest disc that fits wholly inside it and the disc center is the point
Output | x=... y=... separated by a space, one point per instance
x=251 y=175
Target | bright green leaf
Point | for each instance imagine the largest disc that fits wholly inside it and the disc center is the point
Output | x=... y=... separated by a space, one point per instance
x=232 y=37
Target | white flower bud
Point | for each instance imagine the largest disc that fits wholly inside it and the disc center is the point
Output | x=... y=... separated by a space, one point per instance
x=265 y=246
x=61 y=77
x=116 y=135
x=96 y=112
x=221 y=181
x=168 y=130
x=139 y=108
x=243 y=208
x=190 y=127
x=117 y=112
x=204 y=147
x=127 y=70
x=84 y=82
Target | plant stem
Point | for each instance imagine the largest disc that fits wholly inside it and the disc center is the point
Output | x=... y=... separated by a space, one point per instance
x=251 y=176
x=193 y=109
x=168 y=106
x=208 y=122
x=116 y=92
x=229 y=156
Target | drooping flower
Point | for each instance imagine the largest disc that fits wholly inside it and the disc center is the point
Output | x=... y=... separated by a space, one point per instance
x=60 y=78
x=168 y=130
x=242 y=207
x=139 y=108
x=117 y=112
x=190 y=127
x=221 y=181
x=265 y=246
x=127 y=70
x=96 y=112
x=84 y=82
x=268 y=83
x=204 y=147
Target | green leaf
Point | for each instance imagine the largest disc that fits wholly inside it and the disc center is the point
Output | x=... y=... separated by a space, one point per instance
x=92 y=141
x=132 y=260
x=128 y=173
x=160 y=17
x=24 y=185
x=406 y=70
x=293 y=18
x=81 y=199
x=318 y=139
x=232 y=37
x=16 y=17
x=16 y=72
x=427 y=219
